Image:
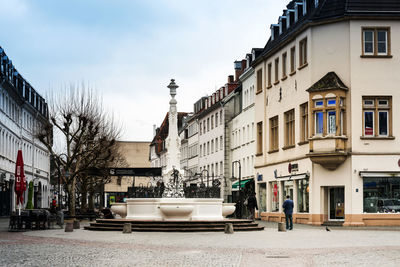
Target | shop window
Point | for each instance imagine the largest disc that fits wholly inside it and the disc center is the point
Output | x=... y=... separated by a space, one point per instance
x=377 y=117
x=259 y=138
x=262 y=195
x=381 y=195
x=304 y=122
x=303 y=194
x=289 y=129
x=274 y=137
x=288 y=189
x=376 y=42
x=275 y=196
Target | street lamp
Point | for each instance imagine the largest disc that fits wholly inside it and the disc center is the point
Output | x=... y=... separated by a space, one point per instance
x=240 y=180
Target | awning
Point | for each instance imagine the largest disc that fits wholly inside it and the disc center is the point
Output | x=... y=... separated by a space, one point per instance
x=242 y=183
x=378 y=174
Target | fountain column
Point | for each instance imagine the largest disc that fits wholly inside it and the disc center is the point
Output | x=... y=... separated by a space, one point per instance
x=172 y=173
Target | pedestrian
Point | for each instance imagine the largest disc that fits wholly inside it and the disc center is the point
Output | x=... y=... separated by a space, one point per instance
x=288 y=209
x=252 y=205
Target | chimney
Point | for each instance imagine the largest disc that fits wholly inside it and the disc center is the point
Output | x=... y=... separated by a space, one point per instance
x=230 y=79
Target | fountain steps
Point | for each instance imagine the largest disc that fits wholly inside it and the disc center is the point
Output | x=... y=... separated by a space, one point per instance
x=173 y=226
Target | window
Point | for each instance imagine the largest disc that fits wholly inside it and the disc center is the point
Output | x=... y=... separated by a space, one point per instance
x=303 y=191
x=275 y=196
x=212 y=122
x=259 y=80
x=216 y=144
x=269 y=75
x=220 y=117
x=274 y=137
x=376 y=42
x=259 y=138
x=208 y=124
x=200 y=128
x=289 y=128
x=381 y=194
x=328 y=116
x=304 y=122
x=377 y=117
x=284 y=59
x=303 y=53
x=293 y=60
x=276 y=71
x=220 y=143
x=216 y=119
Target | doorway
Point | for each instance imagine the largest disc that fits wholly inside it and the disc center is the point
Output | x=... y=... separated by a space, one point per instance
x=336 y=204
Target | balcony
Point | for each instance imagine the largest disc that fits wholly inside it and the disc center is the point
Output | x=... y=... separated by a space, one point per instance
x=328 y=151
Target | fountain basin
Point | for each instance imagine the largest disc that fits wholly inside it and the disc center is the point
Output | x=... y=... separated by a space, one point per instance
x=228 y=209
x=173 y=211
x=161 y=209
x=120 y=209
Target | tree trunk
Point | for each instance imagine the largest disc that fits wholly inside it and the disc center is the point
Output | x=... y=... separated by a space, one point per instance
x=71 y=197
x=91 y=200
x=84 y=193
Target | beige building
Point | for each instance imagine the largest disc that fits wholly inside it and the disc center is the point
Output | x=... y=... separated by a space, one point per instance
x=136 y=155
x=327 y=126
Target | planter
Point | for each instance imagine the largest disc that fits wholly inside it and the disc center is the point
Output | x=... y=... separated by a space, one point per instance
x=120 y=209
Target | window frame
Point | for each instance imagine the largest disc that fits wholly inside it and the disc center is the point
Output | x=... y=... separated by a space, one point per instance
x=304 y=123
x=274 y=134
x=259 y=138
x=269 y=75
x=292 y=60
x=276 y=71
x=303 y=53
x=290 y=124
x=375 y=42
x=376 y=109
x=259 y=81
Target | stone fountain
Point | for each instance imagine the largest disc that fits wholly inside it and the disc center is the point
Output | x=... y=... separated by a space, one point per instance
x=173 y=205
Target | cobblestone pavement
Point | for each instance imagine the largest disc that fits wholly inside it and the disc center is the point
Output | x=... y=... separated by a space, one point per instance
x=304 y=246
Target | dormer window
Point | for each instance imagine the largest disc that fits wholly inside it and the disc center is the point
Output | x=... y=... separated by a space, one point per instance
x=316 y=2
x=298 y=11
x=274 y=31
x=289 y=18
x=282 y=24
x=304 y=7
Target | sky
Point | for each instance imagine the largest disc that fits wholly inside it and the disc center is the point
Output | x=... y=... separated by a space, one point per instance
x=128 y=50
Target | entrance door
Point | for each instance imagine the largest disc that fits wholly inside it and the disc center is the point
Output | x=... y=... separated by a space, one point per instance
x=336 y=204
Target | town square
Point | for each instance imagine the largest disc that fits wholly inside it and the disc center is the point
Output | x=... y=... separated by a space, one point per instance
x=228 y=133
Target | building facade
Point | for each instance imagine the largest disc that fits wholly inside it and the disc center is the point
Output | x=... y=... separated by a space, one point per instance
x=325 y=113
x=136 y=155
x=21 y=110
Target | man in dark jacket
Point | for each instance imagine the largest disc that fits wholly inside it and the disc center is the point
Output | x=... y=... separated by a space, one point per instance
x=252 y=205
x=288 y=209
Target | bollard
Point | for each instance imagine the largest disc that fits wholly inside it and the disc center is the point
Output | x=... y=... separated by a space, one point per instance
x=127 y=228
x=229 y=228
x=77 y=224
x=69 y=227
x=281 y=227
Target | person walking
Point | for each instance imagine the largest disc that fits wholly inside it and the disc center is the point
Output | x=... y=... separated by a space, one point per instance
x=288 y=209
x=252 y=205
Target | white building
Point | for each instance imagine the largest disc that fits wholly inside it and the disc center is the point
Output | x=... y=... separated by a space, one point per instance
x=21 y=109
x=326 y=113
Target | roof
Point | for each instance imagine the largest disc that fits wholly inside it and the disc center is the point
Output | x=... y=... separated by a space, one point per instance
x=329 y=82
x=331 y=10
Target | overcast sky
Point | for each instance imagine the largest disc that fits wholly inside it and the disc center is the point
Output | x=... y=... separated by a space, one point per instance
x=130 y=49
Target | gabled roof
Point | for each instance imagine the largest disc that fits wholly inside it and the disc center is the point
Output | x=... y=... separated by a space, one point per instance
x=329 y=82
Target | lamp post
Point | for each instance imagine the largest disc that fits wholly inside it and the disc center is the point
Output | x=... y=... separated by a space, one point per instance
x=240 y=191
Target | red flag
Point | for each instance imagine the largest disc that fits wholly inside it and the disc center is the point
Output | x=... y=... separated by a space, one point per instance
x=20 y=183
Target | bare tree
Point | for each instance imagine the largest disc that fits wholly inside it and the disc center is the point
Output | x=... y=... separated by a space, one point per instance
x=83 y=136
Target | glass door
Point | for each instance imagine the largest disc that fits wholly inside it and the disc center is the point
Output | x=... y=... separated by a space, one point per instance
x=336 y=204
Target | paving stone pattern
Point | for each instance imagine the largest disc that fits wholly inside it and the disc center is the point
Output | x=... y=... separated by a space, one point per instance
x=304 y=246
